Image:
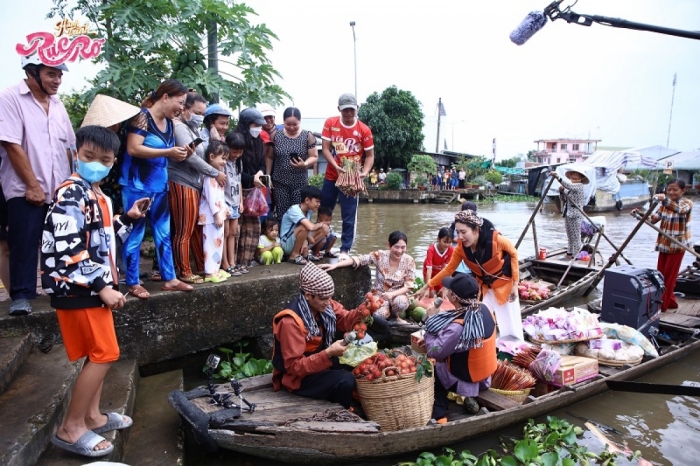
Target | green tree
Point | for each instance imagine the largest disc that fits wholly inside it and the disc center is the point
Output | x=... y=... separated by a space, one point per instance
x=75 y=106
x=396 y=120
x=531 y=157
x=509 y=163
x=149 y=41
x=494 y=177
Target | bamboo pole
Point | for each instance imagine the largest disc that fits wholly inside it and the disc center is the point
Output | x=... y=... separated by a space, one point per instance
x=673 y=240
x=580 y=209
x=534 y=212
x=618 y=252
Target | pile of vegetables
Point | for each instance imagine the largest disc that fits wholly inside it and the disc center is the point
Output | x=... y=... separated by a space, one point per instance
x=350 y=182
x=532 y=291
x=392 y=364
x=370 y=305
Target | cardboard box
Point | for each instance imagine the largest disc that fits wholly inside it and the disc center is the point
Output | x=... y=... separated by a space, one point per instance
x=415 y=336
x=575 y=369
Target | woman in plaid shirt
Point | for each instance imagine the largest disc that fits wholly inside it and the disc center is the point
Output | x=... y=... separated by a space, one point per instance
x=674 y=214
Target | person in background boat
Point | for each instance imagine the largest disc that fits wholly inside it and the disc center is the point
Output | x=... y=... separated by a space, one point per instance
x=216 y=123
x=493 y=261
x=78 y=273
x=305 y=355
x=394 y=277
x=573 y=188
x=438 y=255
x=345 y=137
x=674 y=215
x=463 y=341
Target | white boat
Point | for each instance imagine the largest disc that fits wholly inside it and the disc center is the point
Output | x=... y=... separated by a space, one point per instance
x=609 y=189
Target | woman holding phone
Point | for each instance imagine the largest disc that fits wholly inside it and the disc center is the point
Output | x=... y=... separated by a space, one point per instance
x=185 y=187
x=288 y=159
x=150 y=145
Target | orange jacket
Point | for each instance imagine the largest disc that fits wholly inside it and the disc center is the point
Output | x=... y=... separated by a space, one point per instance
x=502 y=286
x=479 y=362
x=296 y=356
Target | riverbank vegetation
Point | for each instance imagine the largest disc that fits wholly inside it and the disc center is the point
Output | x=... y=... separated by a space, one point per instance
x=551 y=443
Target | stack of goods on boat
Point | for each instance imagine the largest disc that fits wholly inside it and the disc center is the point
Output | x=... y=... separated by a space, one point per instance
x=531 y=292
x=512 y=381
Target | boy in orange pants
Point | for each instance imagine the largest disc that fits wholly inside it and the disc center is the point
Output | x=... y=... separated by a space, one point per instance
x=78 y=272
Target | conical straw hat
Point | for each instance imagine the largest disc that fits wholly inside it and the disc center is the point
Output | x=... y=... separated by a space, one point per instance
x=107 y=111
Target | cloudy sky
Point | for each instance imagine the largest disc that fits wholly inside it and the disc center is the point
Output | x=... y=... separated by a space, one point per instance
x=568 y=81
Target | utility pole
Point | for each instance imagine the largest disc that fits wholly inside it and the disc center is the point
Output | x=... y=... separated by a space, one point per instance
x=212 y=52
x=673 y=94
x=440 y=112
x=354 y=49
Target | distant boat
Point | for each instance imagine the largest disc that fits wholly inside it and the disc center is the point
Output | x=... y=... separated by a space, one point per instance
x=609 y=189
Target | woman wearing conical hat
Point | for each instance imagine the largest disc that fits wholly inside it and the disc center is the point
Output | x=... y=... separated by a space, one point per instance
x=573 y=187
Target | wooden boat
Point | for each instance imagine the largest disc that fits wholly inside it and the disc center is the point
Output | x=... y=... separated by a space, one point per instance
x=289 y=428
x=549 y=272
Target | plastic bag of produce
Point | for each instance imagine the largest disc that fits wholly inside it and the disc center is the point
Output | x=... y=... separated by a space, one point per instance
x=629 y=335
x=545 y=365
x=355 y=354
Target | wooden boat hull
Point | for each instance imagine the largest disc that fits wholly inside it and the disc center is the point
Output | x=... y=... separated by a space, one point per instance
x=323 y=447
x=604 y=202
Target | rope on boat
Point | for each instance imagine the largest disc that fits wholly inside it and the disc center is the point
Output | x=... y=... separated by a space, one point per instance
x=329 y=415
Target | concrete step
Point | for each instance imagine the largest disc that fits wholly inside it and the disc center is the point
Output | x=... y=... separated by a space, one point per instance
x=156 y=437
x=33 y=405
x=13 y=353
x=119 y=396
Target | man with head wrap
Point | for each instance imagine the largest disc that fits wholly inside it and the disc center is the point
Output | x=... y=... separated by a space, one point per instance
x=305 y=357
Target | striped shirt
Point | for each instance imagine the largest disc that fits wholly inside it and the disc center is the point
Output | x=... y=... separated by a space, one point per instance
x=675 y=221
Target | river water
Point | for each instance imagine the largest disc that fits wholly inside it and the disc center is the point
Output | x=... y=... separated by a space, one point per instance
x=664 y=428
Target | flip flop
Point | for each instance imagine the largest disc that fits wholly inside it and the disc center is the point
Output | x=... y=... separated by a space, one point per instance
x=115 y=421
x=192 y=279
x=85 y=445
x=332 y=255
x=181 y=286
x=139 y=291
x=299 y=260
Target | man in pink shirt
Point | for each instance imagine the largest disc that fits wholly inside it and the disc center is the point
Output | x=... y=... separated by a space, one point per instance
x=36 y=138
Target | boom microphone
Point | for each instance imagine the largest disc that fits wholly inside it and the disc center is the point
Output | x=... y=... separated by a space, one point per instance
x=533 y=22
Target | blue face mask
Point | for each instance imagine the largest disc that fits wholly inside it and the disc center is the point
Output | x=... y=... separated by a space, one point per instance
x=92 y=171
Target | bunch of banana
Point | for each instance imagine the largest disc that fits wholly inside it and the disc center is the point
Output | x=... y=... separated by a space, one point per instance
x=188 y=64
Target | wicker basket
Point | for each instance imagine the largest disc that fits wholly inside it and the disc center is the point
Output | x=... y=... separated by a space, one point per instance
x=516 y=395
x=397 y=402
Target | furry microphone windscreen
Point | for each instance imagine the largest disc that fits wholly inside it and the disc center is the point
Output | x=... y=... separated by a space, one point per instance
x=533 y=22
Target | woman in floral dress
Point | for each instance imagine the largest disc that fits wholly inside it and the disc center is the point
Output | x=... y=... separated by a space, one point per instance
x=394 y=277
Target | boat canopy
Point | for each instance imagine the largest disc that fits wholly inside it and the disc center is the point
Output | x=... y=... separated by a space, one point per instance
x=603 y=168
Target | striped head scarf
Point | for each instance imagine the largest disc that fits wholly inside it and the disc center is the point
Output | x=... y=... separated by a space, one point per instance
x=317 y=282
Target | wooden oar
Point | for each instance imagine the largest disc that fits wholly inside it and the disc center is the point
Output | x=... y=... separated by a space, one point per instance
x=663 y=389
x=534 y=212
x=672 y=239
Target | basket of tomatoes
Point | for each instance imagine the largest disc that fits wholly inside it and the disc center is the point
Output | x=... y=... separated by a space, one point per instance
x=396 y=388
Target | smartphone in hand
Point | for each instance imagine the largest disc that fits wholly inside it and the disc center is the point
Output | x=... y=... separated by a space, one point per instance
x=195 y=143
x=265 y=180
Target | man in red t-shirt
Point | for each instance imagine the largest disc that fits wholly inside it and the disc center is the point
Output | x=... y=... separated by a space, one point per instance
x=345 y=136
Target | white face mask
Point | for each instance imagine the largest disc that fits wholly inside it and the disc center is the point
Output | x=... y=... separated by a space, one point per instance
x=255 y=132
x=197 y=120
